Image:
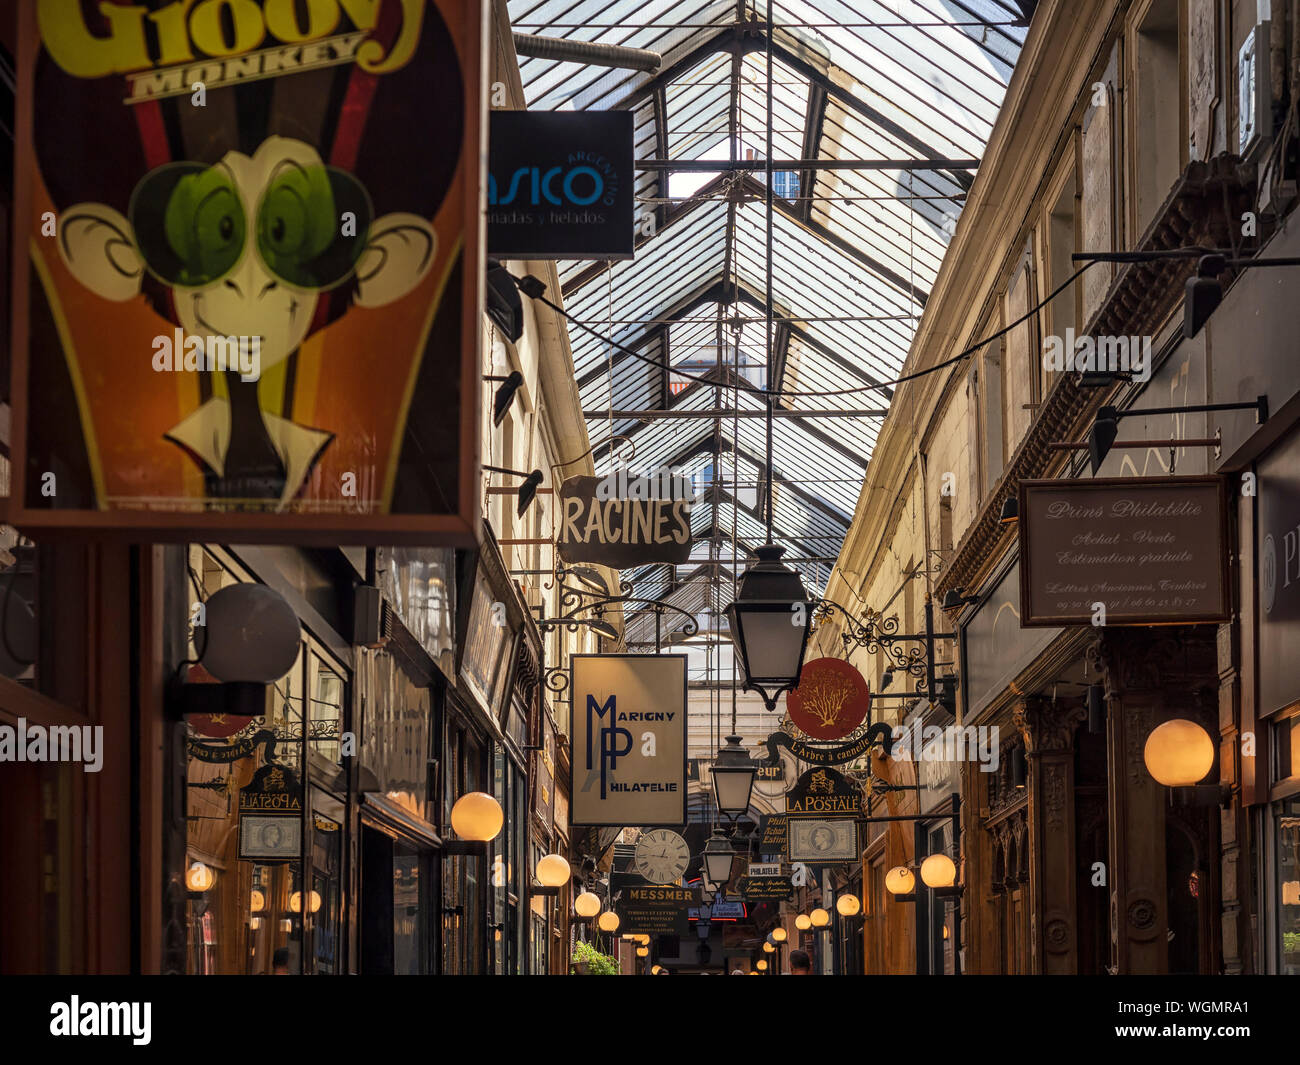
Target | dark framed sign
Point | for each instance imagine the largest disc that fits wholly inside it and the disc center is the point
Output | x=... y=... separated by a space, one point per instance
x=240 y=277
x=765 y=888
x=629 y=740
x=561 y=185
x=657 y=909
x=1151 y=550
x=822 y=793
x=489 y=648
x=619 y=530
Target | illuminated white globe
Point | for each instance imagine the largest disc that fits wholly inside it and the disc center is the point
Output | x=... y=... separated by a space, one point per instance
x=1179 y=753
x=900 y=881
x=586 y=904
x=477 y=816
x=553 y=870
x=847 y=905
x=938 y=871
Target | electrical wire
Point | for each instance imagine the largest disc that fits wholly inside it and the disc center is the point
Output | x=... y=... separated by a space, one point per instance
x=537 y=291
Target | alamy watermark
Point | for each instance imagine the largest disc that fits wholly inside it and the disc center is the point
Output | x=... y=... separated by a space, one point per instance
x=53 y=743
x=949 y=743
x=192 y=354
x=1104 y=354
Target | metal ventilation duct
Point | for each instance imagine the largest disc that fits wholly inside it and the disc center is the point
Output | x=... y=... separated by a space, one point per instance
x=598 y=55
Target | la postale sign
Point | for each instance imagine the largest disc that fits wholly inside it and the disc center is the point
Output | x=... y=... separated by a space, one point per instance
x=621 y=521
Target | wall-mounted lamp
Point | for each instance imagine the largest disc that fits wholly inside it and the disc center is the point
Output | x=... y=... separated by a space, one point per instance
x=251 y=639
x=552 y=873
x=848 y=906
x=1019 y=768
x=477 y=819
x=527 y=491
x=1178 y=754
x=900 y=881
x=1105 y=427
x=199 y=878
x=954 y=600
x=820 y=918
x=1096 y=709
x=587 y=905
x=509 y=387
x=803 y=922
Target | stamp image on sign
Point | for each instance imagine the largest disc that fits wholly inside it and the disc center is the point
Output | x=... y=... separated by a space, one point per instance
x=815 y=841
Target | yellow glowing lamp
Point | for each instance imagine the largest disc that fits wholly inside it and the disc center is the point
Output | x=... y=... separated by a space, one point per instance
x=847 y=906
x=761 y=965
x=768 y=948
x=477 y=817
x=820 y=918
x=199 y=877
x=256 y=902
x=295 y=901
x=1179 y=753
x=608 y=921
x=779 y=935
x=643 y=952
x=938 y=871
x=552 y=870
x=655 y=970
x=803 y=922
x=586 y=905
x=900 y=881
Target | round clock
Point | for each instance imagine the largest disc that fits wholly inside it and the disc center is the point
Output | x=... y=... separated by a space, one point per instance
x=662 y=856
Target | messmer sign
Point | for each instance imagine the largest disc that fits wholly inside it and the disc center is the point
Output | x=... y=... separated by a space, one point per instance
x=629 y=740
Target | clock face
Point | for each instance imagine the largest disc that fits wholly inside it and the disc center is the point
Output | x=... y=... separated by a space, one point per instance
x=662 y=856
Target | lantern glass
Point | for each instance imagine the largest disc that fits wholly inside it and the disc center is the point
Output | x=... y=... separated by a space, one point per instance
x=1179 y=753
x=847 y=906
x=762 y=965
x=820 y=918
x=733 y=778
x=477 y=816
x=586 y=904
x=938 y=871
x=779 y=935
x=643 y=952
x=769 y=621
x=608 y=921
x=768 y=948
x=803 y=922
x=552 y=870
x=718 y=856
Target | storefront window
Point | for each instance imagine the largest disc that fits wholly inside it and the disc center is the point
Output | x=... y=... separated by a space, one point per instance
x=410 y=910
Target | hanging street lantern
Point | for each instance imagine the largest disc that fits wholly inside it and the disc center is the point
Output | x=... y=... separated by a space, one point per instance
x=733 y=778
x=718 y=856
x=769 y=621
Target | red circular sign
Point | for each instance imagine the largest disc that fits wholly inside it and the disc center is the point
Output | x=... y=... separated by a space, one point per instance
x=831 y=701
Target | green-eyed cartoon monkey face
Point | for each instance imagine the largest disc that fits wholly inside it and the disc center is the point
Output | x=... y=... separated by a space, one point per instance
x=191 y=223
x=249 y=243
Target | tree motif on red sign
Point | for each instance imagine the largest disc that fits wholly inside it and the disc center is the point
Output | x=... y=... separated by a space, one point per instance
x=831 y=701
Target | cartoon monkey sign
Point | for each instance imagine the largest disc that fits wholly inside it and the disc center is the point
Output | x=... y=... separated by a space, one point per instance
x=248 y=268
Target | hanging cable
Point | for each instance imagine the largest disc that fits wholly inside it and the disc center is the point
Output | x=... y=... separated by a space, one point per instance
x=537 y=291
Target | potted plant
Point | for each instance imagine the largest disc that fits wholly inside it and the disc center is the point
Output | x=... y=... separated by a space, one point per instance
x=588 y=961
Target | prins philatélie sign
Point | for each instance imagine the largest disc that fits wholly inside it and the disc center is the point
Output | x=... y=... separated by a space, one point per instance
x=561 y=185
x=1123 y=551
x=247 y=293
x=622 y=521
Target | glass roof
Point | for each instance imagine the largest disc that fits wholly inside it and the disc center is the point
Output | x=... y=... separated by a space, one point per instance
x=854 y=249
